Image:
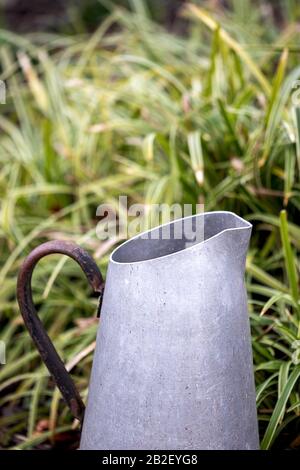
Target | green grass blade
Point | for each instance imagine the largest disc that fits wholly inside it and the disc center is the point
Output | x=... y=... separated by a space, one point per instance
x=279 y=409
x=289 y=256
x=204 y=17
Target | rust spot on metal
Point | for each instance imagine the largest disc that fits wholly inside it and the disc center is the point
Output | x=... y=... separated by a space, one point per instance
x=34 y=325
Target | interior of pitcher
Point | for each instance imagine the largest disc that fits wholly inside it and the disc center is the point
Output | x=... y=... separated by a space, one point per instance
x=176 y=236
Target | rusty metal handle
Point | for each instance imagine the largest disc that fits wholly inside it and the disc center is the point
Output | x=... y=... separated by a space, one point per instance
x=33 y=323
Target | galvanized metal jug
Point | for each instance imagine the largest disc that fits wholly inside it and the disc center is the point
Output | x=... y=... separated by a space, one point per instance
x=172 y=367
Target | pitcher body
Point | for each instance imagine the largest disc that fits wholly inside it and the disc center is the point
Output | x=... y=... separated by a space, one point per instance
x=173 y=362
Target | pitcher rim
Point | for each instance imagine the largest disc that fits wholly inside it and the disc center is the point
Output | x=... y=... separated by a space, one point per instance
x=247 y=226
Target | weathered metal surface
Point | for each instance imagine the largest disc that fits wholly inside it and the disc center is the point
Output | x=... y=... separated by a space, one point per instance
x=34 y=325
x=172 y=367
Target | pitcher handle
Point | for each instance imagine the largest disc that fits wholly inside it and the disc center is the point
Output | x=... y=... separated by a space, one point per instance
x=34 y=325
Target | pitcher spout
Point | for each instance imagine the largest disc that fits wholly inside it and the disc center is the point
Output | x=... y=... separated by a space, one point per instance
x=231 y=232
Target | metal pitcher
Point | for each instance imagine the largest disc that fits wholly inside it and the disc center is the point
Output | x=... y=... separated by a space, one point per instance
x=172 y=367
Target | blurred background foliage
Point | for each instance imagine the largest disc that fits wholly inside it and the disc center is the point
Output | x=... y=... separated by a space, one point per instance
x=163 y=102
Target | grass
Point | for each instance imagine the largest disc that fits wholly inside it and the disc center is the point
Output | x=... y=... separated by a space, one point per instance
x=137 y=111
